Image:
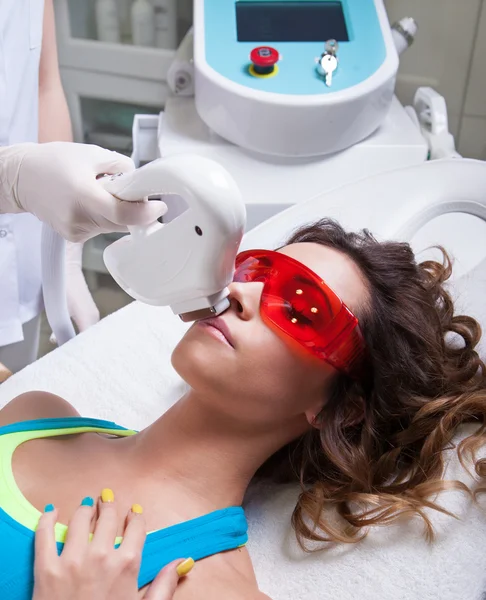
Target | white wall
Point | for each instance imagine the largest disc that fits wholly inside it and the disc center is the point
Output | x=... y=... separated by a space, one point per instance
x=449 y=55
x=472 y=139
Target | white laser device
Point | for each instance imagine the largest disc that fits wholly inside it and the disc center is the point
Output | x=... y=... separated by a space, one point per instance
x=292 y=97
x=301 y=95
x=289 y=78
x=187 y=262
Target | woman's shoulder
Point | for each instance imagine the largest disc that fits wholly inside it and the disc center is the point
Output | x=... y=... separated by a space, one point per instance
x=36 y=405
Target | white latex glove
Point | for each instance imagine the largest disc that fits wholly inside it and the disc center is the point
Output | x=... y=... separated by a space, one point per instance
x=56 y=182
x=81 y=305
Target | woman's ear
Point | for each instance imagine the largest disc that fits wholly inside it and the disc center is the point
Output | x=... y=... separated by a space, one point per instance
x=354 y=415
x=312 y=416
x=316 y=404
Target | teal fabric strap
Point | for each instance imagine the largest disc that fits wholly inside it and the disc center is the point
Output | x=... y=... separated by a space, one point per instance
x=60 y=423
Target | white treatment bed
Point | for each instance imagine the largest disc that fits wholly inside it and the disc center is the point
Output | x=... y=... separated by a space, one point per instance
x=120 y=370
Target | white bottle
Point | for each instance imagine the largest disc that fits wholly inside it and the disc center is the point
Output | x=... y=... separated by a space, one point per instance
x=165 y=24
x=143 y=23
x=107 y=22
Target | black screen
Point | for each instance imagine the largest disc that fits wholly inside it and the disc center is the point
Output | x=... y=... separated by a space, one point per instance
x=290 y=22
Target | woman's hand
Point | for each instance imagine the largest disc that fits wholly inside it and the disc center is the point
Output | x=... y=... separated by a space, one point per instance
x=95 y=569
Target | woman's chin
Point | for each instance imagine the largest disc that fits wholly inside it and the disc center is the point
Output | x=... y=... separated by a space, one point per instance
x=201 y=358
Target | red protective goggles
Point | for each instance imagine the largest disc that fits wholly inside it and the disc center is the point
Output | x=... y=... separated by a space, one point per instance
x=297 y=303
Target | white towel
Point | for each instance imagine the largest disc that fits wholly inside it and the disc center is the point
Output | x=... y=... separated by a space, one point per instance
x=119 y=370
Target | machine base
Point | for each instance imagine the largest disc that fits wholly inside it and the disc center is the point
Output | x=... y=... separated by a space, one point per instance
x=271 y=184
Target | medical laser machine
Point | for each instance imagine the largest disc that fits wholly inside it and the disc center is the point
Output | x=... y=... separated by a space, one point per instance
x=286 y=100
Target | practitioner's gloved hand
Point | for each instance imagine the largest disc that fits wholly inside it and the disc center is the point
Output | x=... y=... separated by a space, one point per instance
x=95 y=569
x=57 y=183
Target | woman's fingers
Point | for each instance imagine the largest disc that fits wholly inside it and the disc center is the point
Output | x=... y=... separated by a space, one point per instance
x=77 y=536
x=95 y=569
x=45 y=539
x=135 y=532
x=165 y=584
x=107 y=523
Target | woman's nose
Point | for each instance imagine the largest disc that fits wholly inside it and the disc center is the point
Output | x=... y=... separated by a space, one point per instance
x=245 y=299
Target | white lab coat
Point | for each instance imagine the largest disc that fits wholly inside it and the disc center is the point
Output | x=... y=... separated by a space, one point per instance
x=20 y=235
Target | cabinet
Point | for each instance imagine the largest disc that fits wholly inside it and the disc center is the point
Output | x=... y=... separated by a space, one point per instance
x=107 y=83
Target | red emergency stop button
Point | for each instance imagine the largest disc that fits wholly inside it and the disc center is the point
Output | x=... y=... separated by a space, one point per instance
x=264 y=60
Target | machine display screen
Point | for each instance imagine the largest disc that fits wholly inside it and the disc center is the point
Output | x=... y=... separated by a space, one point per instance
x=290 y=21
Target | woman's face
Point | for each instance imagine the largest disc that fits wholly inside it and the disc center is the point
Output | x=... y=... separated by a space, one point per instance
x=258 y=376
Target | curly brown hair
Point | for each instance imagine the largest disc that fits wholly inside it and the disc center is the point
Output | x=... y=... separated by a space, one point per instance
x=421 y=385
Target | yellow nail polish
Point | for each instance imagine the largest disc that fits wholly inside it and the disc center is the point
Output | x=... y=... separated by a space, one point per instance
x=136 y=508
x=185 y=567
x=107 y=495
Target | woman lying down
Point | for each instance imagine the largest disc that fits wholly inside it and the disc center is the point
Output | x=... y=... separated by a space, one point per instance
x=335 y=363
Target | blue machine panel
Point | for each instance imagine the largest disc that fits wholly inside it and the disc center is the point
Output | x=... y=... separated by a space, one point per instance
x=298 y=31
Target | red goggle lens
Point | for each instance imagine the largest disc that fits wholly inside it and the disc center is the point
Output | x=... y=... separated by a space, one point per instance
x=297 y=303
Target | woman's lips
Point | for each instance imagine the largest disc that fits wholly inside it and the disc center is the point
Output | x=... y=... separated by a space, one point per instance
x=218 y=324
